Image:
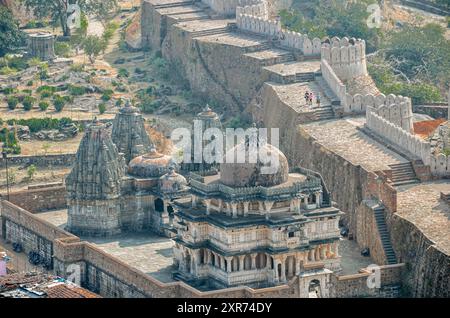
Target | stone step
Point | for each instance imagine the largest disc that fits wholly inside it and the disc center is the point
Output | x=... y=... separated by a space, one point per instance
x=400 y=183
x=384 y=235
x=173 y=4
x=198 y=34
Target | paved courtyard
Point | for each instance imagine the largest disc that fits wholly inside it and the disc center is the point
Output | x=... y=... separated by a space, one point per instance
x=352 y=144
x=153 y=255
x=351 y=259
x=145 y=251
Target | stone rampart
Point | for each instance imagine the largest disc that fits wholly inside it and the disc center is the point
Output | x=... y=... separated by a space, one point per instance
x=396 y=135
x=346 y=56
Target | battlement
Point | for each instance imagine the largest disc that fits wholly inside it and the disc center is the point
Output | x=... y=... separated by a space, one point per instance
x=262 y=25
x=398 y=136
x=346 y=56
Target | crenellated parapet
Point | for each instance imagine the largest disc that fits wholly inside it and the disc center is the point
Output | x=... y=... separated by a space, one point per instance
x=256 y=19
x=347 y=57
x=398 y=136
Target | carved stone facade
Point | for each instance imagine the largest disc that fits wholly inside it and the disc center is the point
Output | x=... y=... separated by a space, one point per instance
x=257 y=235
x=129 y=134
x=105 y=196
x=93 y=185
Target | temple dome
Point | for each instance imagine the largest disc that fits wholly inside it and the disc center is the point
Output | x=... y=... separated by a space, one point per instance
x=150 y=165
x=249 y=174
x=172 y=182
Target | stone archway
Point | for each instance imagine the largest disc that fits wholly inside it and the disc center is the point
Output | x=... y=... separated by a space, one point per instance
x=314 y=289
x=159 y=205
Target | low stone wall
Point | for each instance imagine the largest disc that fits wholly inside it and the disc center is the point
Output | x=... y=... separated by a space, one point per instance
x=356 y=285
x=438 y=110
x=398 y=136
x=21 y=226
x=110 y=277
x=40 y=160
x=40 y=199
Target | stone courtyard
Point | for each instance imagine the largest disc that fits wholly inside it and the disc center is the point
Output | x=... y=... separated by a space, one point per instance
x=147 y=252
x=153 y=255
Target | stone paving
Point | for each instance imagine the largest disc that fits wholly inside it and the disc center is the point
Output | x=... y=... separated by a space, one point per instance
x=145 y=251
x=421 y=204
x=292 y=68
x=153 y=254
x=343 y=137
x=293 y=95
x=351 y=259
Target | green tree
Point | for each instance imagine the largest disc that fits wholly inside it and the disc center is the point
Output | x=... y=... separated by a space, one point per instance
x=31 y=171
x=57 y=9
x=11 y=37
x=420 y=53
x=12 y=102
x=93 y=46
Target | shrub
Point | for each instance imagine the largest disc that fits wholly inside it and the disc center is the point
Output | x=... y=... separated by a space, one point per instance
x=119 y=102
x=31 y=171
x=46 y=88
x=43 y=106
x=77 y=67
x=62 y=49
x=38 y=124
x=9 y=90
x=12 y=102
x=76 y=90
x=46 y=94
x=30 y=83
x=28 y=102
x=9 y=138
x=123 y=73
x=106 y=97
x=59 y=102
x=102 y=108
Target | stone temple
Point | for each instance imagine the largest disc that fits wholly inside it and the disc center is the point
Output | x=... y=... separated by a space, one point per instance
x=106 y=196
x=242 y=227
x=232 y=224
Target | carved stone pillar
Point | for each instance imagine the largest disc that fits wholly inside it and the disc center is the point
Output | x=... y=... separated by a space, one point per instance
x=267 y=208
x=208 y=206
x=275 y=269
x=297 y=263
x=290 y=266
x=229 y=260
x=241 y=262
x=253 y=261
x=228 y=208
x=246 y=204
x=234 y=207
x=283 y=270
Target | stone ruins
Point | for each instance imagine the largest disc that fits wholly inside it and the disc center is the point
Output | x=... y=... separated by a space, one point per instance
x=352 y=165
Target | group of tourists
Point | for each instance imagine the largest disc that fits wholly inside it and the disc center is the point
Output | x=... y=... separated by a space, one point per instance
x=309 y=97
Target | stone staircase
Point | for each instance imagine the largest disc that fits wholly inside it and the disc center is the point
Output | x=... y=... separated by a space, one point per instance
x=384 y=235
x=324 y=112
x=304 y=77
x=402 y=174
x=174 y=4
x=327 y=91
x=216 y=31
